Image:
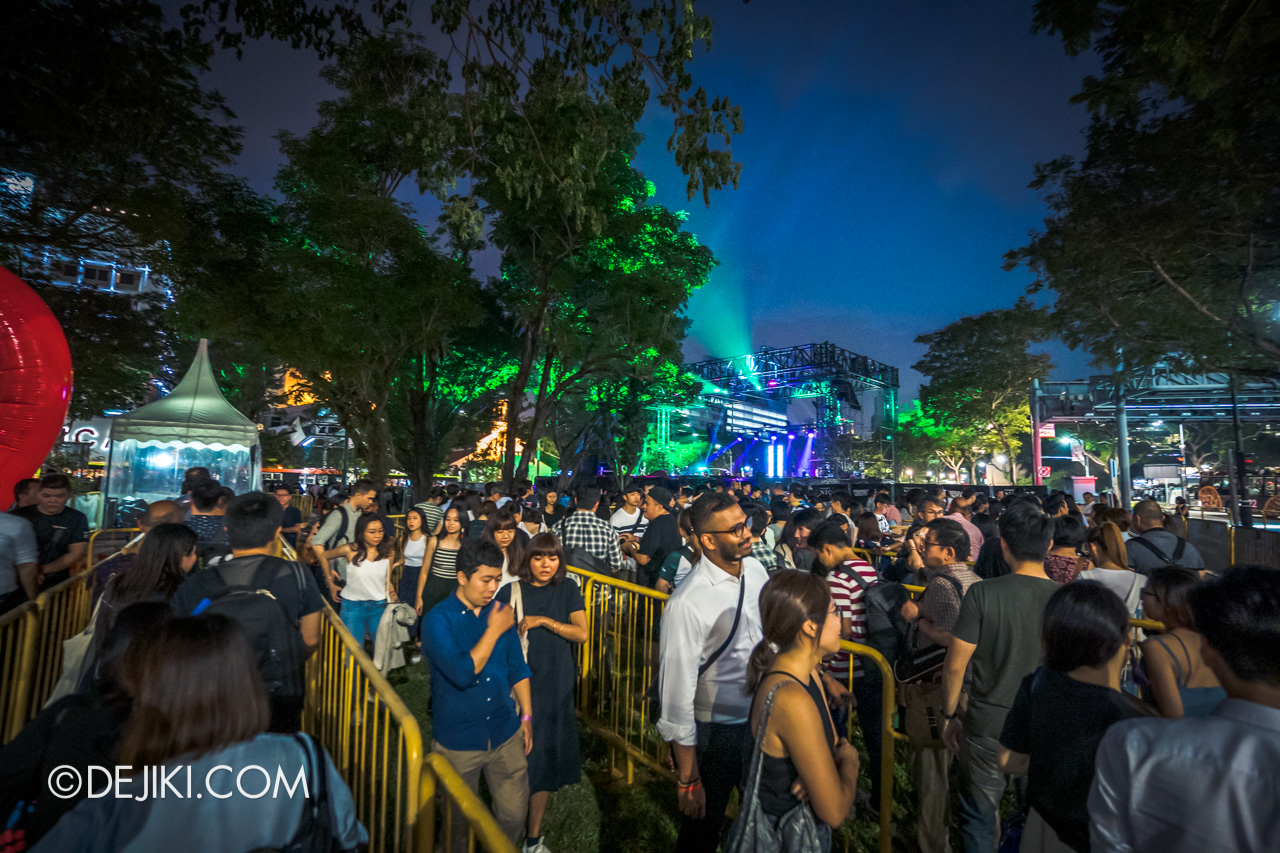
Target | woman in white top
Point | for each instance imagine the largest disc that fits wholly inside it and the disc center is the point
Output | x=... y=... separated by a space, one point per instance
x=413 y=548
x=369 y=562
x=1105 y=545
x=500 y=529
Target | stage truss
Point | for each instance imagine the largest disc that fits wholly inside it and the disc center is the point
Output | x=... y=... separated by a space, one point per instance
x=850 y=393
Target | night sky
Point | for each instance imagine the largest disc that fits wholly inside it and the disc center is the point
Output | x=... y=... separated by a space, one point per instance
x=886 y=153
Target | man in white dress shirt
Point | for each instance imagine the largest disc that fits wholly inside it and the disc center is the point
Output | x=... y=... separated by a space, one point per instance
x=710 y=626
x=1204 y=784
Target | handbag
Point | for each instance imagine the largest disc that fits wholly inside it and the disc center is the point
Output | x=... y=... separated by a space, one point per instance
x=796 y=831
x=916 y=662
x=315 y=832
x=517 y=602
x=79 y=654
x=923 y=719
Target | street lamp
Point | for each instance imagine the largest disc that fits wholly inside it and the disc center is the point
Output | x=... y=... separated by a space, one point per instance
x=909 y=473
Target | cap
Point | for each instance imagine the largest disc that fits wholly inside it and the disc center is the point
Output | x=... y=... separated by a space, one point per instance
x=661 y=496
x=634 y=486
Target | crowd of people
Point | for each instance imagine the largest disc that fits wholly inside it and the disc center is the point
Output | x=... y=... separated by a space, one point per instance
x=1016 y=666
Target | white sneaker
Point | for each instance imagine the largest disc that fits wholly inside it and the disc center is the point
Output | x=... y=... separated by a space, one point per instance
x=540 y=847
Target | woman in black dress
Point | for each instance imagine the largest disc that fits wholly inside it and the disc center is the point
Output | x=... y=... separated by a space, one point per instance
x=552 y=619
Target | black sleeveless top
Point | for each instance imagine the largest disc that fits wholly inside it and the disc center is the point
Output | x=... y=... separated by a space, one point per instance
x=777 y=775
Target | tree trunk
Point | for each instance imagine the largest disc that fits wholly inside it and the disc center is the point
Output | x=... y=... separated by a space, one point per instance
x=541 y=411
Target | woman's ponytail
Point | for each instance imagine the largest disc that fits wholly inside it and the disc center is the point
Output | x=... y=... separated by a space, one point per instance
x=762 y=658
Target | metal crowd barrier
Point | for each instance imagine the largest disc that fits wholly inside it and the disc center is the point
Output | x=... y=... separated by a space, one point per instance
x=376 y=744
x=1214 y=541
x=31 y=648
x=618 y=669
x=107 y=543
x=374 y=739
x=18 y=628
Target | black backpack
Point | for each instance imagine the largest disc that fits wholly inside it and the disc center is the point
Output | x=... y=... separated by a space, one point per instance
x=242 y=594
x=886 y=628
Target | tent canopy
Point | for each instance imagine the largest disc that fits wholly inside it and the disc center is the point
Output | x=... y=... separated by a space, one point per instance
x=195 y=411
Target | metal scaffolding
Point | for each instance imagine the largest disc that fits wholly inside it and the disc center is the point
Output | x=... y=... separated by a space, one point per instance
x=834 y=379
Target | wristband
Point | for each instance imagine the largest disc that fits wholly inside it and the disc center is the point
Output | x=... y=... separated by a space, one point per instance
x=692 y=786
x=526 y=718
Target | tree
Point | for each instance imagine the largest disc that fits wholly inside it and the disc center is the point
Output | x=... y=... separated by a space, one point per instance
x=980 y=372
x=1161 y=243
x=113 y=370
x=926 y=435
x=104 y=112
x=549 y=104
x=371 y=300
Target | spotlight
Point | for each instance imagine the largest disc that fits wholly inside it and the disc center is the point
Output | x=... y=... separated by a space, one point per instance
x=773 y=438
x=791 y=435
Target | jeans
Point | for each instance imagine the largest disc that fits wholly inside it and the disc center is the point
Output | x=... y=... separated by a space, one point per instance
x=869 y=693
x=723 y=753
x=981 y=788
x=362 y=617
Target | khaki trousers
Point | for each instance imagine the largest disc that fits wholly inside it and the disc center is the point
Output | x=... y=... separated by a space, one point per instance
x=929 y=767
x=506 y=772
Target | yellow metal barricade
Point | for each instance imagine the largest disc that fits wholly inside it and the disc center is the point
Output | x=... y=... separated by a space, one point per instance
x=439 y=778
x=105 y=543
x=619 y=665
x=18 y=631
x=372 y=736
x=618 y=668
x=62 y=612
x=305 y=504
x=377 y=746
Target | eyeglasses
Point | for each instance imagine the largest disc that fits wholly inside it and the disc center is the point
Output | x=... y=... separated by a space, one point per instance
x=737 y=530
x=930 y=543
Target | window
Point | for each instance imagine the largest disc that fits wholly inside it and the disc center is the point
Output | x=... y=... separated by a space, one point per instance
x=127 y=281
x=97 y=274
x=69 y=271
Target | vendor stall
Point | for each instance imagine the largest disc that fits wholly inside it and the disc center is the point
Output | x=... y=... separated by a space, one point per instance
x=194 y=426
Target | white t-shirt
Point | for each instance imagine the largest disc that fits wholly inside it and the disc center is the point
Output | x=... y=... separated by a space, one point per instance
x=507 y=575
x=367 y=581
x=625 y=522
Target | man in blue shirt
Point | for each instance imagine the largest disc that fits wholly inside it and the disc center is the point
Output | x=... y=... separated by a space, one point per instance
x=476 y=666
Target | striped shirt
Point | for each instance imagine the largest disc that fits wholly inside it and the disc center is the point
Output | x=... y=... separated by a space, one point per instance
x=444 y=563
x=848 y=595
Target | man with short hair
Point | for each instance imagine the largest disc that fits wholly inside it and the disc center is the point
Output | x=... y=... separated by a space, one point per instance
x=796 y=495
x=432 y=511
x=710 y=626
x=189 y=480
x=1204 y=783
x=1089 y=505
x=880 y=509
x=62 y=533
x=836 y=560
x=292 y=523
x=758 y=515
x=661 y=537
x=159 y=512
x=1154 y=547
x=630 y=521
x=998 y=631
x=339 y=528
x=891 y=512
x=841 y=503
x=477 y=666
x=26 y=492
x=19 y=562
x=959 y=514
x=593 y=538
x=253 y=523
x=947 y=579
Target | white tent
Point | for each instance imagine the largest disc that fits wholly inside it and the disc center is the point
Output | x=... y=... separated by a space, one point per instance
x=152 y=446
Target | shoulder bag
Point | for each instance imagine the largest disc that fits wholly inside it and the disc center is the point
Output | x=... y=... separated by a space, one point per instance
x=796 y=831
x=517 y=602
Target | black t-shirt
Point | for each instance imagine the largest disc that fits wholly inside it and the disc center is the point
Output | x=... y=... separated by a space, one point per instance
x=296 y=602
x=1060 y=725
x=55 y=534
x=292 y=518
x=661 y=537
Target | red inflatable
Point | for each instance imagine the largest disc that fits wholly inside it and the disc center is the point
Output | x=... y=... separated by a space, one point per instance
x=35 y=382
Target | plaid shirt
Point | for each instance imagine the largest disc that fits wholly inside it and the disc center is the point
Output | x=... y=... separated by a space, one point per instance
x=940 y=604
x=766 y=555
x=592 y=534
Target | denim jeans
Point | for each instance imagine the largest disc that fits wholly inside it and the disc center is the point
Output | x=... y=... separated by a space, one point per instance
x=981 y=786
x=362 y=617
x=869 y=691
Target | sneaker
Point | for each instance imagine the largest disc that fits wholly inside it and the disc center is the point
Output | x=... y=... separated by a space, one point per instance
x=540 y=847
x=415 y=658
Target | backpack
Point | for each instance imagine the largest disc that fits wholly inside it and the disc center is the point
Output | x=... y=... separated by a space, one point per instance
x=886 y=628
x=242 y=595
